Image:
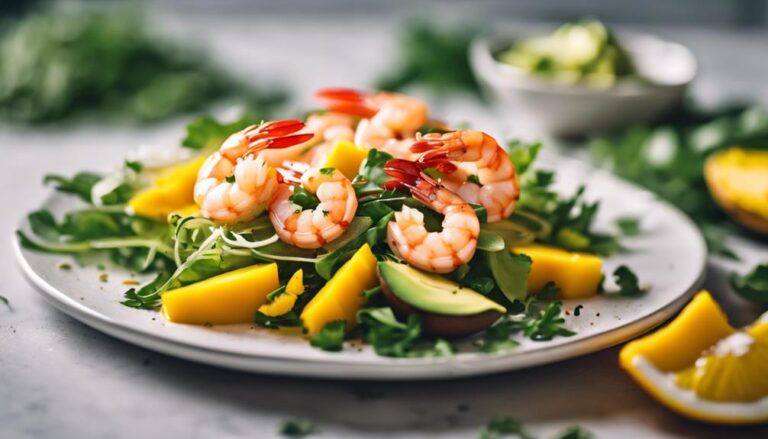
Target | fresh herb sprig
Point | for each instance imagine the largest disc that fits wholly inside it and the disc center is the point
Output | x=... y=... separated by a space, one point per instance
x=433 y=56
x=105 y=62
x=752 y=286
x=668 y=159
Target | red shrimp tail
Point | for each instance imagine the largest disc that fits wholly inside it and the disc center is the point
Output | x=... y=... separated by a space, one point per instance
x=276 y=134
x=348 y=101
x=438 y=160
x=410 y=175
x=286 y=141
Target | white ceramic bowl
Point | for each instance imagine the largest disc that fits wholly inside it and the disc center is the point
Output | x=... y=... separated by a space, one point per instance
x=577 y=110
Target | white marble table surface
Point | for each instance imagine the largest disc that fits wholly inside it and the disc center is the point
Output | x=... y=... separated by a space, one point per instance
x=59 y=378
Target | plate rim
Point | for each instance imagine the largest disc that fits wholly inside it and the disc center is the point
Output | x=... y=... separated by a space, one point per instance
x=397 y=369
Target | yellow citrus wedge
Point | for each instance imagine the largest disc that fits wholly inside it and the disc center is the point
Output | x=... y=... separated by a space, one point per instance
x=702 y=367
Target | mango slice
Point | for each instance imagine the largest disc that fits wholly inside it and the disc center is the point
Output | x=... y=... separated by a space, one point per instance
x=281 y=305
x=228 y=298
x=577 y=275
x=346 y=157
x=286 y=301
x=342 y=296
x=172 y=192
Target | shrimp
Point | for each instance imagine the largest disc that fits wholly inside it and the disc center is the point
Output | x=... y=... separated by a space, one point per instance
x=235 y=183
x=313 y=228
x=390 y=120
x=438 y=252
x=327 y=128
x=477 y=154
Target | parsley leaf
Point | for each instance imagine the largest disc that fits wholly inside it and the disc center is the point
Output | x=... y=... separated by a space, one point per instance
x=543 y=325
x=501 y=426
x=304 y=198
x=297 y=428
x=392 y=338
x=627 y=281
x=81 y=184
x=549 y=292
x=752 y=286
x=327 y=171
x=573 y=432
x=497 y=338
x=331 y=337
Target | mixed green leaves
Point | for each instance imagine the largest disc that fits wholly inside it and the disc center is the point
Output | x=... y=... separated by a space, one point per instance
x=432 y=56
x=330 y=337
x=105 y=62
x=752 y=286
x=668 y=159
x=206 y=133
x=540 y=321
x=296 y=428
x=393 y=338
x=505 y=426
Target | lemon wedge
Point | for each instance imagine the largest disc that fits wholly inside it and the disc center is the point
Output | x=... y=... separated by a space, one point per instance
x=702 y=367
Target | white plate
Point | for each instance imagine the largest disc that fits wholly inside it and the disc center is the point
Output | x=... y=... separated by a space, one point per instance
x=669 y=255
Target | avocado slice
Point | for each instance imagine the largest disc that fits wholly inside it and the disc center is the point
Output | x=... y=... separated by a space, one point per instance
x=447 y=309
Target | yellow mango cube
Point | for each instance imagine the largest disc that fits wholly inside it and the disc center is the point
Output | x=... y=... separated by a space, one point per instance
x=346 y=157
x=342 y=296
x=577 y=275
x=172 y=192
x=231 y=297
x=281 y=305
x=286 y=301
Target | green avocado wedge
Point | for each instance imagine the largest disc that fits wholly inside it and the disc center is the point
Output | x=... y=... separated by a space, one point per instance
x=447 y=309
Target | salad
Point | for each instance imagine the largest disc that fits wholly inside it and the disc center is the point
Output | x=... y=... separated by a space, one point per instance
x=583 y=52
x=369 y=220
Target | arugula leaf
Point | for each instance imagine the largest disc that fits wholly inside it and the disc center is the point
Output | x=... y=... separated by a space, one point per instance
x=330 y=338
x=523 y=154
x=146 y=297
x=490 y=241
x=513 y=233
x=627 y=281
x=510 y=271
x=297 y=428
x=752 y=286
x=391 y=338
x=81 y=184
x=481 y=284
x=371 y=176
x=502 y=426
x=341 y=249
x=207 y=133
